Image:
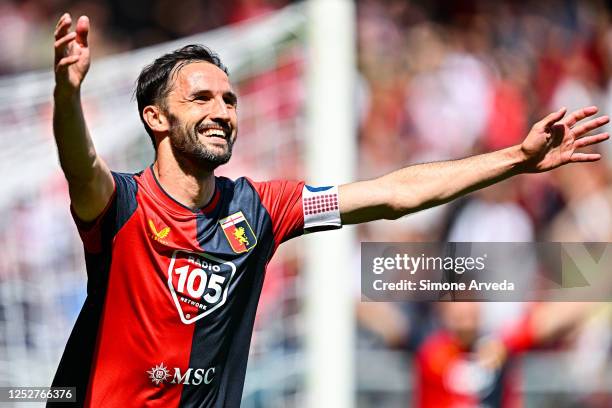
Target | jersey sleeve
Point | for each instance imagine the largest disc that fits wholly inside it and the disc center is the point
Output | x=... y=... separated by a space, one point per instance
x=519 y=336
x=122 y=203
x=296 y=208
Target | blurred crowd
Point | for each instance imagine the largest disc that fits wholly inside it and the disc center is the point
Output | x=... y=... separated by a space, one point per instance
x=25 y=25
x=444 y=80
x=438 y=80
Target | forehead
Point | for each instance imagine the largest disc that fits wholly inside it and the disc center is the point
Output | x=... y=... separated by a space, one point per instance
x=199 y=76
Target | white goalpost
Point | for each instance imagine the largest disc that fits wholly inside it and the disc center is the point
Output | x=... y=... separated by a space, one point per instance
x=330 y=157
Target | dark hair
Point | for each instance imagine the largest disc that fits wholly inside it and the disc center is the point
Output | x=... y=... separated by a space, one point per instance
x=153 y=83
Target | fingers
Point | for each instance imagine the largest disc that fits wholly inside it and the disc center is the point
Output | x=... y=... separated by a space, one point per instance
x=82 y=29
x=552 y=118
x=61 y=45
x=66 y=62
x=590 y=125
x=59 y=21
x=62 y=26
x=580 y=114
x=63 y=37
x=585 y=157
x=591 y=140
x=578 y=157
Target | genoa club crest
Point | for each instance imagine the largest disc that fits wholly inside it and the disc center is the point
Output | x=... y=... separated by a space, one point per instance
x=238 y=232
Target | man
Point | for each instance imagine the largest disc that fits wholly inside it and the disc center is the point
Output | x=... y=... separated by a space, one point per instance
x=463 y=365
x=176 y=256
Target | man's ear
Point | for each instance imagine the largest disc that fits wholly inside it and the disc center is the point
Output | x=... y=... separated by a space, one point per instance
x=155 y=118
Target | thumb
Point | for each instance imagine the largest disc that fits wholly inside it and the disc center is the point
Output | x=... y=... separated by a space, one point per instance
x=553 y=117
x=82 y=30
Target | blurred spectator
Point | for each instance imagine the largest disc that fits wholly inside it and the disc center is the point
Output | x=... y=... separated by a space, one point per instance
x=464 y=365
x=587 y=215
x=26 y=26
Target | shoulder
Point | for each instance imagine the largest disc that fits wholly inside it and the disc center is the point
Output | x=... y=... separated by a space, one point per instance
x=276 y=186
x=125 y=177
x=246 y=184
x=126 y=184
x=227 y=184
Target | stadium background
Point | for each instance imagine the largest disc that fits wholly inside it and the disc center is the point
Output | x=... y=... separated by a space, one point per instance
x=436 y=80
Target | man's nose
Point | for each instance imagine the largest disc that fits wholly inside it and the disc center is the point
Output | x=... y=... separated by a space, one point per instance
x=220 y=110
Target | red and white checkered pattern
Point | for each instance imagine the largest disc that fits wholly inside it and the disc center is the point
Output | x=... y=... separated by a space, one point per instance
x=321 y=210
x=320 y=204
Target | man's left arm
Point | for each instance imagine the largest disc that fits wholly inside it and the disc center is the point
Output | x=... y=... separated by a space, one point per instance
x=552 y=142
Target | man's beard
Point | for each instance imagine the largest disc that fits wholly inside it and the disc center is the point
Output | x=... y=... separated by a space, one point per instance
x=186 y=141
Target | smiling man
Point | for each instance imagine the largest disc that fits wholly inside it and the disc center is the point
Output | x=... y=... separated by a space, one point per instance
x=176 y=256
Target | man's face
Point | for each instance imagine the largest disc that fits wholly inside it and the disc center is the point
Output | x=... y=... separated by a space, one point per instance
x=202 y=112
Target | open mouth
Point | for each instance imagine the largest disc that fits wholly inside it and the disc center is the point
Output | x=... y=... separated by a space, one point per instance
x=215 y=132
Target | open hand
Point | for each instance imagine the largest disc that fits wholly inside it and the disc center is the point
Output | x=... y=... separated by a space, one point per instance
x=71 y=53
x=555 y=140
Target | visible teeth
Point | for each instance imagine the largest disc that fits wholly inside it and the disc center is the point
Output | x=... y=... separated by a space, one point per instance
x=214 y=132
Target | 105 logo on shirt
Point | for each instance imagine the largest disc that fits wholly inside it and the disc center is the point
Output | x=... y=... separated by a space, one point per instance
x=198 y=283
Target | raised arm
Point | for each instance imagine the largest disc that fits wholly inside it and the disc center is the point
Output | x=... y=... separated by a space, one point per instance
x=552 y=142
x=89 y=179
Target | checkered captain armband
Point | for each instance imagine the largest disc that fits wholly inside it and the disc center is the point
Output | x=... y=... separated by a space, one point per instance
x=321 y=210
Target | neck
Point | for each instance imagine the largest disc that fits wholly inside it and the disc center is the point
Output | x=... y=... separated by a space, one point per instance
x=185 y=181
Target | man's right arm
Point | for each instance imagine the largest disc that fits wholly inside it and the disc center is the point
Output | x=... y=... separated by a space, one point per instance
x=90 y=181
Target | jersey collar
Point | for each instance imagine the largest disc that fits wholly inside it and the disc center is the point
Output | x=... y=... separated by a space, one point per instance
x=161 y=194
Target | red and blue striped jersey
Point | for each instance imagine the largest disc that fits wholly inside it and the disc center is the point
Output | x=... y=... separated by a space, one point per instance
x=172 y=292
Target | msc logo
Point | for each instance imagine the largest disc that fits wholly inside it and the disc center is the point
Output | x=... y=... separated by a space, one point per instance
x=158 y=235
x=160 y=374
